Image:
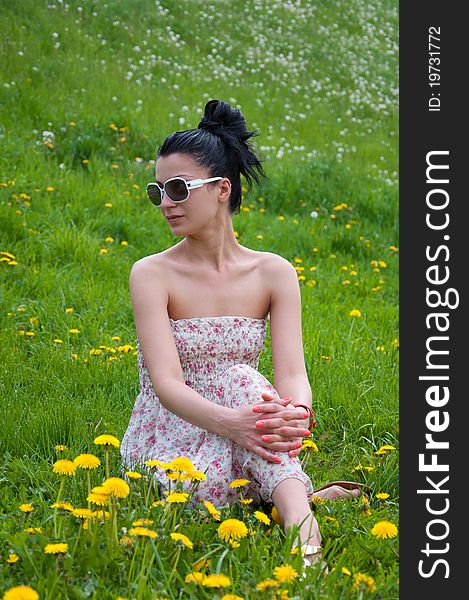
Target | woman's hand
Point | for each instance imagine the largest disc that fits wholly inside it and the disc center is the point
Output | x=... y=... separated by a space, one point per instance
x=243 y=431
x=280 y=421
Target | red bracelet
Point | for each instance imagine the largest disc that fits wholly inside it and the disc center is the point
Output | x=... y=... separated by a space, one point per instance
x=311 y=414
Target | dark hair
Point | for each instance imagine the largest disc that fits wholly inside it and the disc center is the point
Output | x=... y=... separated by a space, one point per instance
x=220 y=144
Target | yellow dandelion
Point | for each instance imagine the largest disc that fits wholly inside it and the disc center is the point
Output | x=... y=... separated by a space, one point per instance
x=181 y=464
x=115 y=486
x=143 y=532
x=275 y=516
x=126 y=541
x=216 y=581
x=13 y=558
x=232 y=529
x=202 y=563
x=245 y=500
x=142 y=522
x=260 y=516
x=237 y=483
x=285 y=573
x=355 y=313
x=384 y=530
x=64 y=467
x=56 y=548
x=157 y=503
x=196 y=475
x=107 y=440
x=362 y=581
x=194 y=577
x=153 y=463
x=100 y=514
x=74 y=331
x=382 y=496
x=33 y=530
x=177 y=497
x=345 y=571
x=87 y=461
x=317 y=500
x=384 y=449
x=360 y=467
x=133 y=475
x=216 y=514
x=21 y=592
x=26 y=508
x=82 y=513
x=332 y=520
x=265 y=584
x=62 y=505
x=231 y=597
x=309 y=444
x=183 y=538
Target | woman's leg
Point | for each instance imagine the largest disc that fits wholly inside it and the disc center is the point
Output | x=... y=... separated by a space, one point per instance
x=291 y=500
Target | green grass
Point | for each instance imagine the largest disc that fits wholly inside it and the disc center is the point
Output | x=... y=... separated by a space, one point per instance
x=320 y=83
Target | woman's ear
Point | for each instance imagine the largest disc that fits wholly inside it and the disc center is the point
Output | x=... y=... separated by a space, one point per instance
x=225 y=187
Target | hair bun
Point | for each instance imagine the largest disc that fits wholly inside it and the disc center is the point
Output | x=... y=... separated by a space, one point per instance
x=220 y=116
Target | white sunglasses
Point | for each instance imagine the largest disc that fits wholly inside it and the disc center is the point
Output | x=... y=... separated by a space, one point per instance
x=177 y=189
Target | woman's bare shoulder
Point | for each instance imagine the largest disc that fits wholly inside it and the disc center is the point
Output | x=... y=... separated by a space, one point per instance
x=155 y=262
x=149 y=273
x=275 y=264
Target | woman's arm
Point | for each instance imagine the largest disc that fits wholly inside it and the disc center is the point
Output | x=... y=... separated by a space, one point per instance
x=290 y=376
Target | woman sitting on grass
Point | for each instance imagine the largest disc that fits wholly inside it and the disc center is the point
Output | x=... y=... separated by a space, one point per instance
x=201 y=310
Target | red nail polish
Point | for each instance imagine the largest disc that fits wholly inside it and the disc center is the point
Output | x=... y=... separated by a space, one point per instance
x=259 y=424
x=265 y=438
x=278 y=460
x=298 y=444
x=256 y=409
x=306 y=432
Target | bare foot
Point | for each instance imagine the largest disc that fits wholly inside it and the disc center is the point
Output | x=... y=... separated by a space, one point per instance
x=334 y=492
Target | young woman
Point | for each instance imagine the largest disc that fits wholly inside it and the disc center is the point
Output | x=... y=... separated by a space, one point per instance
x=201 y=310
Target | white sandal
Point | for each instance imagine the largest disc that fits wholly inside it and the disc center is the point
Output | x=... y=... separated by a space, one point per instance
x=311 y=557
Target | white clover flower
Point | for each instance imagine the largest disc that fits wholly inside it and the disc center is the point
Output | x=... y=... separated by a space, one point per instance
x=314 y=214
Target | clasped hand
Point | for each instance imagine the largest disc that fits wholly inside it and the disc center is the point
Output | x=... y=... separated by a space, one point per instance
x=270 y=426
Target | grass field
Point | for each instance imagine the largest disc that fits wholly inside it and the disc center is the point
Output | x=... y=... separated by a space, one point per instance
x=88 y=91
